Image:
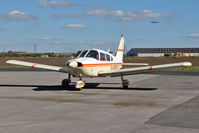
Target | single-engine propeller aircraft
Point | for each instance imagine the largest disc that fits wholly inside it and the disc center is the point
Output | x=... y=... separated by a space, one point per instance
x=98 y=63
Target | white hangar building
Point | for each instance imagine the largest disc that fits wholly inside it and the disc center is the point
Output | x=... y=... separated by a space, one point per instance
x=158 y=52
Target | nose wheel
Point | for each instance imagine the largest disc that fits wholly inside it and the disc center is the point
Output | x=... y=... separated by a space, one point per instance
x=79 y=84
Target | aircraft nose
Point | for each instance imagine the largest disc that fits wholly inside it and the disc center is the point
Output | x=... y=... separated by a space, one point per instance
x=73 y=64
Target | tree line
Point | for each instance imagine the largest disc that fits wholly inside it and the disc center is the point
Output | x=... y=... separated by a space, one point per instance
x=25 y=54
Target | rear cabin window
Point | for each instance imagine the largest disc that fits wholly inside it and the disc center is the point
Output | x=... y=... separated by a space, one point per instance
x=93 y=54
x=107 y=57
x=111 y=58
x=102 y=57
x=83 y=53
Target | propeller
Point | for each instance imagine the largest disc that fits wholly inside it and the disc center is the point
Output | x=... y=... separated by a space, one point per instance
x=74 y=64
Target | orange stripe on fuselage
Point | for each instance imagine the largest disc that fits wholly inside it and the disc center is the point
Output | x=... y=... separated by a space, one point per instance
x=120 y=50
x=101 y=64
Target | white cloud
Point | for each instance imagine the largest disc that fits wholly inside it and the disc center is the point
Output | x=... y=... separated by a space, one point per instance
x=106 y=13
x=80 y=26
x=48 y=39
x=75 y=15
x=130 y=15
x=99 y=43
x=54 y=3
x=17 y=15
x=144 y=14
x=195 y=35
x=57 y=42
x=96 y=43
x=43 y=39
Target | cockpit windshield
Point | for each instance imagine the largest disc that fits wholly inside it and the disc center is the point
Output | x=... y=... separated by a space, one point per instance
x=82 y=54
x=93 y=54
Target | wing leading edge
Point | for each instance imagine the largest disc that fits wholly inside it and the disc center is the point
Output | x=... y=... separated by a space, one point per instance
x=35 y=65
x=139 y=70
x=135 y=64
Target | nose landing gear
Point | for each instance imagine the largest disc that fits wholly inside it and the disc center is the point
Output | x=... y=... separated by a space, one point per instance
x=79 y=84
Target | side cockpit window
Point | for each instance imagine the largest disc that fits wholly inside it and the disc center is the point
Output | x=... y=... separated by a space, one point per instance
x=93 y=54
x=82 y=54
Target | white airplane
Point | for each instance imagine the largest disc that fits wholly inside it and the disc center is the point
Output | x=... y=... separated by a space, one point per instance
x=98 y=63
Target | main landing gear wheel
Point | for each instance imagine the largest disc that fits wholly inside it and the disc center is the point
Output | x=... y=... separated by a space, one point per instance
x=125 y=83
x=65 y=83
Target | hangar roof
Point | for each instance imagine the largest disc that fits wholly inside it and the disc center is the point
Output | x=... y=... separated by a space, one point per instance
x=165 y=50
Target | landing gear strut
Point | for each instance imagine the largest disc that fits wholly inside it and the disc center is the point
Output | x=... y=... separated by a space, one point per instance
x=80 y=84
x=66 y=82
x=125 y=82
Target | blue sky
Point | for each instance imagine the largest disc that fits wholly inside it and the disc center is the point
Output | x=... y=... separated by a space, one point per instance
x=69 y=26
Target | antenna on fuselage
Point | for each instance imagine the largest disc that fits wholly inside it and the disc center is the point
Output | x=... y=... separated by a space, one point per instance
x=108 y=50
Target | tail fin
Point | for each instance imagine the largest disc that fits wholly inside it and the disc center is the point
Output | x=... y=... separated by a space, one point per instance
x=120 y=49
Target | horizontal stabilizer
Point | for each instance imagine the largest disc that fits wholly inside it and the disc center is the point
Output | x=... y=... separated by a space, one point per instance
x=35 y=65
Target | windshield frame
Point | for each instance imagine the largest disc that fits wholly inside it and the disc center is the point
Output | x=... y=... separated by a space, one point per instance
x=86 y=51
x=96 y=56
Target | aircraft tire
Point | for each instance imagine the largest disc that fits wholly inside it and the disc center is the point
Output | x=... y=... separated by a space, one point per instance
x=125 y=87
x=65 y=83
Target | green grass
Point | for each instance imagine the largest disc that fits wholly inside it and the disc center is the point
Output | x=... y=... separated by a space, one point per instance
x=186 y=69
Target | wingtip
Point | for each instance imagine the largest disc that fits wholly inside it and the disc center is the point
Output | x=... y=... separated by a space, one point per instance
x=11 y=61
x=187 y=64
x=8 y=61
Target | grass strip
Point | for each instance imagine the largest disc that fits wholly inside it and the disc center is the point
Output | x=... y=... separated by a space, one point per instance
x=186 y=69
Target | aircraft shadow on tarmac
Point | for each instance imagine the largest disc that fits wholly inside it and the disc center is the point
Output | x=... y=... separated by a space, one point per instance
x=72 y=87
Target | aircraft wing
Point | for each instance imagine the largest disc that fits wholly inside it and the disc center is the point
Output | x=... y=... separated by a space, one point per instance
x=139 y=70
x=35 y=65
x=135 y=64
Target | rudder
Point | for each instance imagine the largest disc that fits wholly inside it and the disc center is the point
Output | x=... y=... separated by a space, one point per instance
x=120 y=50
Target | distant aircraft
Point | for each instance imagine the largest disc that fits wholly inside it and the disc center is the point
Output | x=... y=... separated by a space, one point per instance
x=154 y=21
x=98 y=63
